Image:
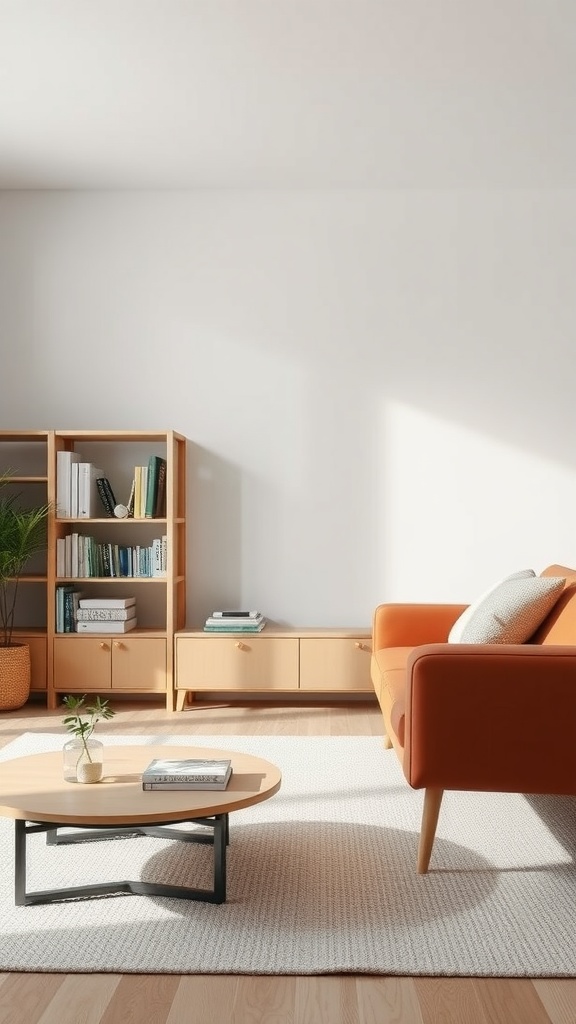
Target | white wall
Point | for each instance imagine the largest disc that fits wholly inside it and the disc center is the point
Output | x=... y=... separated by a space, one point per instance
x=378 y=384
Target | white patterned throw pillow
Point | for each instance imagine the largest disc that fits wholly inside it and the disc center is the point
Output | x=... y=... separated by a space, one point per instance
x=510 y=612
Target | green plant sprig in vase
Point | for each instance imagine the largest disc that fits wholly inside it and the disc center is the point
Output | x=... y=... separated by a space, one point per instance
x=80 y=722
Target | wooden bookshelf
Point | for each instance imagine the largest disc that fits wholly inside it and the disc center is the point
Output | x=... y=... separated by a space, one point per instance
x=137 y=662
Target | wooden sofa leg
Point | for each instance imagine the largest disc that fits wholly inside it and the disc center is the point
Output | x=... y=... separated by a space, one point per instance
x=432 y=801
x=387 y=742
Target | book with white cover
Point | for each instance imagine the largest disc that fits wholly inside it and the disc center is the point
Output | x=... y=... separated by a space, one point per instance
x=236 y=615
x=88 y=496
x=235 y=624
x=74 y=476
x=60 y=556
x=229 y=621
x=107 y=602
x=229 y=629
x=105 y=614
x=112 y=626
x=187 y=773
x=64 y=462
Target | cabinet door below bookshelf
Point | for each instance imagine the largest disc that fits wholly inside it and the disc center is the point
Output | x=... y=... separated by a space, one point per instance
x=138 y=664
x=94 y=664
x=83 y=664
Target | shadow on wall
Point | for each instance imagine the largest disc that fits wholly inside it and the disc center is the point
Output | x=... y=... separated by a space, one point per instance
x=214 y=536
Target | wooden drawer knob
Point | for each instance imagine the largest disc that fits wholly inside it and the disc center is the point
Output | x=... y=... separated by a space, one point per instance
x=241 y=646
x=361 y=646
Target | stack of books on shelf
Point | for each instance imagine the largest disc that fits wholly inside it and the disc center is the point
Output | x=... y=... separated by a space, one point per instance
x=67 y=604
x=188 y=773
x=77 y=487
x=106 y=615
x=235 y=622
x=148 y=500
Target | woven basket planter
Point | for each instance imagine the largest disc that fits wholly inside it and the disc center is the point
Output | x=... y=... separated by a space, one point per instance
x=14 y=676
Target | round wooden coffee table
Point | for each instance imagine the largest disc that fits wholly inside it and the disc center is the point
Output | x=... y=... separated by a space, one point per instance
x=33 y=792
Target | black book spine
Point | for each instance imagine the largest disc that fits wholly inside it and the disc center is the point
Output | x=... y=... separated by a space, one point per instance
x=106 y=495
x=160 y=503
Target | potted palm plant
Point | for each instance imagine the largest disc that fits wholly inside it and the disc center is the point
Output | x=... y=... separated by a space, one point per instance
x=22 y=534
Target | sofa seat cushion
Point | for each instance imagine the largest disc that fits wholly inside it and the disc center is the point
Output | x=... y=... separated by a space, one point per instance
x=389 y=679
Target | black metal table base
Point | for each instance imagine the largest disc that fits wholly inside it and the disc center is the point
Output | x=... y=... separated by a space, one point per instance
x=218 y=838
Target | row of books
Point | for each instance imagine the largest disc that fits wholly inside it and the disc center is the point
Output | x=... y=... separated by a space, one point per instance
x=78 y=614
x=187 y=773
x=80 y=557
x=77 y=495
x=149 y=499
x=235 y=622
x=83 y=491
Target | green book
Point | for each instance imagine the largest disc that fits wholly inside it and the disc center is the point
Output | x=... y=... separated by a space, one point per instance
x=154 y=463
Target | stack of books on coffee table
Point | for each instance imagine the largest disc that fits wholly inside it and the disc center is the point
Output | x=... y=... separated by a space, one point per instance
x=235 y=622
x=188 y=773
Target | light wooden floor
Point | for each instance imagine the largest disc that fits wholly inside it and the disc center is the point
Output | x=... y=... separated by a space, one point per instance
x=348 y=999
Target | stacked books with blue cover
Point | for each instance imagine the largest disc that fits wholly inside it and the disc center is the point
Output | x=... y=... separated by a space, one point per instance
x=235 y=622
x=67 y=607
x=188 y=773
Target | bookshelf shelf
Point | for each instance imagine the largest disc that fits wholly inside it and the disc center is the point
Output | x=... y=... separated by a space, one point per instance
x=112 y=580
x=36 y=578
x=29 y=479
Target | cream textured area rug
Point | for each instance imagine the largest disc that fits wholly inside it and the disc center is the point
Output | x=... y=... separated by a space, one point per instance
x=321 y=879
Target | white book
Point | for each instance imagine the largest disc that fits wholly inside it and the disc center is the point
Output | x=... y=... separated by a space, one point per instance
x=112 y=626
x=74 y=475
x=157 y=568
x=236 y=615
x=228 y=629
x=60 y=556
x=107 y=602
x=89 y=504
x=105 y=614
x=230 y=622
x=81 y=542
x=194 y=773
x=68 y=555
x=64 y=462
x=74 y=565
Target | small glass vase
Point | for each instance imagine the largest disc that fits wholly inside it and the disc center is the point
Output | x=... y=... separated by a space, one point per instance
x=83 y=760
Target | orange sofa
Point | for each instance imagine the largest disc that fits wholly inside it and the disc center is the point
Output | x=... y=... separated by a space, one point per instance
x=482 y=717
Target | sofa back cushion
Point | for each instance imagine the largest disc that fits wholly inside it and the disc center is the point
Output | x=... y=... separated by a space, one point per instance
x=559 y=626
x=510 y=612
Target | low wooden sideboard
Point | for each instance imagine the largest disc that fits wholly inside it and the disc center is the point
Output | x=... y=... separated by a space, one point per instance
x=276 y=660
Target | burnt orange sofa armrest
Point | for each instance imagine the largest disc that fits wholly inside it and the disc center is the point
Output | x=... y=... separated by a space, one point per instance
x=408 y=625
x=498 y=717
